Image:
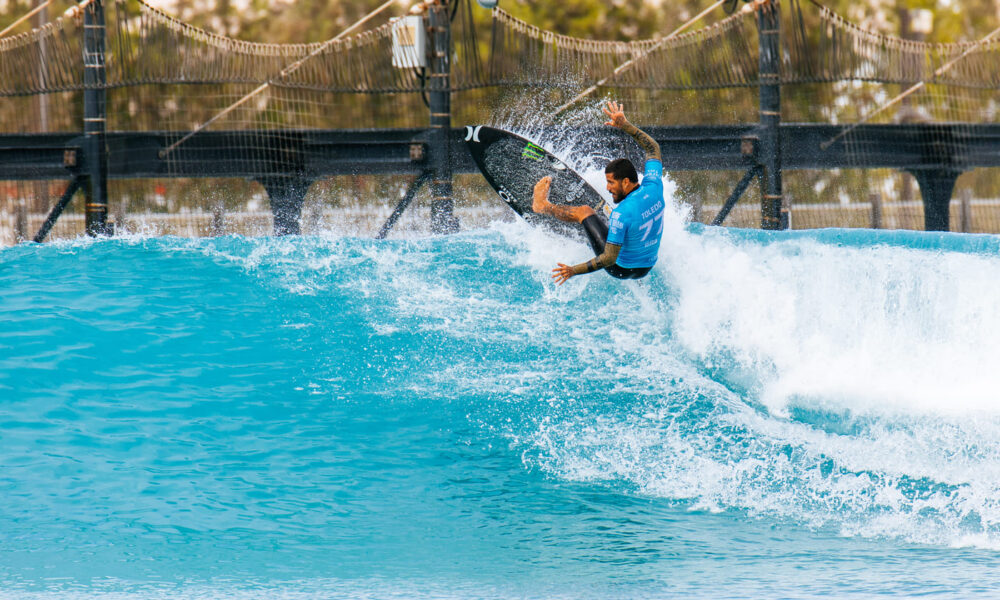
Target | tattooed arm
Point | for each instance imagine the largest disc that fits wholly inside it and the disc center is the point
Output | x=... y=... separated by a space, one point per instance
x=606 y=259
x=648 y=144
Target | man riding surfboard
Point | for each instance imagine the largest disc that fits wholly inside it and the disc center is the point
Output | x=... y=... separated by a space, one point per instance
x=628 y=250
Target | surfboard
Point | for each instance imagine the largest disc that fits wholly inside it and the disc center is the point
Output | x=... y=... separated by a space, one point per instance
x=512 y=165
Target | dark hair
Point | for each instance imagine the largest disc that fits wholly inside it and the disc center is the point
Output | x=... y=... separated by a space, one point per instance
x=622 y=168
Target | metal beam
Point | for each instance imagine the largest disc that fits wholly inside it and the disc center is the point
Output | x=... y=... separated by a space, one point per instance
x=58 y=209
x=411 y=193
x=735 y=196
x=321 y=153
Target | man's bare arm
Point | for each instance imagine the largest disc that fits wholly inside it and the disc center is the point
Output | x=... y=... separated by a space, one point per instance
x=604 y=260
x=607 y=258
x=642 y=138
x=648 y=144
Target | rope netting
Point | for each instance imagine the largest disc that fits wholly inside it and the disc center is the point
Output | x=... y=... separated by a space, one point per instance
x=148 y=46
x=163 y=49
x=152 y=47
x=717 y=56
x=44 y=60
x=838 y=50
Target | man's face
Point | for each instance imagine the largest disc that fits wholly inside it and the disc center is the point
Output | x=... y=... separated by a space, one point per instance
x=619 y=188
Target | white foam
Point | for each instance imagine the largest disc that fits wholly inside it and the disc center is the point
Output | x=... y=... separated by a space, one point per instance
x=872 y=330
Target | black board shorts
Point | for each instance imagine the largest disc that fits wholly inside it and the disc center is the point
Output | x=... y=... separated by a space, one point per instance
x=597 y=235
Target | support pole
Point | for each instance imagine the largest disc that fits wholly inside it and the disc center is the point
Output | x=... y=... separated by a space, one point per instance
x=20 y=221
x=218 y=227
x=43 y=67
x=443 y=219
x=936 y=187
x=95 y=119
x=875 y=199
x=407 y=199
x=965 y=210
x=286 y=195
x=774 y=215
x=57 y=210
x=736 y=195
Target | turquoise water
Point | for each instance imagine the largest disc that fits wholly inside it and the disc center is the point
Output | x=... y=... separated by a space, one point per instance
x=767 y=415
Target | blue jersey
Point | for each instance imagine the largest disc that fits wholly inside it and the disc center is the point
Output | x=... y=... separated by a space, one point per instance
x=637 y=223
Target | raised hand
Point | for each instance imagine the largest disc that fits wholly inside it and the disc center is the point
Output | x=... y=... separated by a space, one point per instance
x=614 y=112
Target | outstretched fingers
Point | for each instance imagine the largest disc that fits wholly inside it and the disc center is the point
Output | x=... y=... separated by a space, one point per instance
x=562 y=273
x=614 y=111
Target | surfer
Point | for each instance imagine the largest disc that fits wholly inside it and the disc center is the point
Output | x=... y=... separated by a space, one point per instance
x=629 y=250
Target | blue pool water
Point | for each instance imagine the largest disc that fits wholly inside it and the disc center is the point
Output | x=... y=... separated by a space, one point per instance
x=767 y=415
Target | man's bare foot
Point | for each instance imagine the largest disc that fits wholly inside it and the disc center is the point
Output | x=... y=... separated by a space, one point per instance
x=540 y=200
x=540 y=205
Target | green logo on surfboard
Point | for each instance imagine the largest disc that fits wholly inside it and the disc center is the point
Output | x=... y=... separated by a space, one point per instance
x=533 y=152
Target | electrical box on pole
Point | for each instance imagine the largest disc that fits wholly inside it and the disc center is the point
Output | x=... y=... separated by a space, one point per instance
x=409 y=42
